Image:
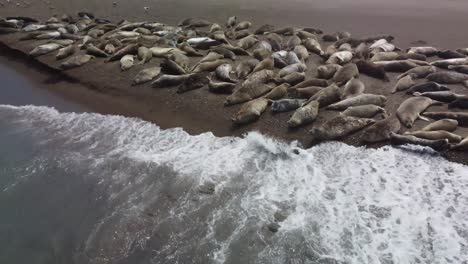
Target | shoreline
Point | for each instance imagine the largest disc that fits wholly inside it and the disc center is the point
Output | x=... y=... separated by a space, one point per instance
x=192 y=110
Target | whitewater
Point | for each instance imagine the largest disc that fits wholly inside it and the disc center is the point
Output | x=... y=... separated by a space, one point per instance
x=124 y=190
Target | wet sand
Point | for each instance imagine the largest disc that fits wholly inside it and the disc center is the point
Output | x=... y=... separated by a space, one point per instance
x=105 y=89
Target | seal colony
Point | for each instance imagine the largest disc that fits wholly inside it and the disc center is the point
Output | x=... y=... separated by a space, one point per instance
x=302 y=71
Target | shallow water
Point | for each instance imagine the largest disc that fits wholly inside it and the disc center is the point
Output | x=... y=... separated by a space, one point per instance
x=90 y=188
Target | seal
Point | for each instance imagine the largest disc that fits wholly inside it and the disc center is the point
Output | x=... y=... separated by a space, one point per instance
x=144 y=55
x=264 y=29
x=384 y=56
x=171 y=67
x=461 y=102
x=194 y=81
x=442 y=96
x=312 y=82
x=44 y=49
x=403 y=84
x=362 y=51
x=76 y=61
x=146 y=75
x=397 y=66
x=381 y=130
x=247 y=42
x=305 y=93
x=167 y=80
x=228 y=54
x=365 y=111
x=95 y=51
x=340 y=57
x=278 y=92
x=266 y=64
x=252 y=88
x=372 y=70
x=185 y=47
x=301 y=52
x=440 y=144
x=448 y=77
x=244 y=68
x=243 y=25
x=293 y=42
x=223 y=73
x=419 y=72
x=286 y=105
x=450 y=54
x=413 y=56
x=292 y=78
x=353 y=88
x=65 y=52
x=250 y=111
x=411 y=108
x=346 y=73
x=221 y=87
x=462 y=118
x=304 y=115
x=339 y=127
x=231 y=21
x=130 y=49
x=327 y=96
x=459 y=68
x=462 y=146
x=446 y=63
x=126 y=62
x=442 y=124
x=427 y=51
x=427 y=87
x=208 y=66
x=109 y=49
x=314 y=46
x=362 y=99
x=435 y=135
x=327 y=71
x=296 y=67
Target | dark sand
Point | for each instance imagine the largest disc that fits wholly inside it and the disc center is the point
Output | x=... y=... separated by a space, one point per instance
x=105 y=89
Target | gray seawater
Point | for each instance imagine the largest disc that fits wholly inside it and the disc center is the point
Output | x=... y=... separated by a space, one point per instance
x=90 y=188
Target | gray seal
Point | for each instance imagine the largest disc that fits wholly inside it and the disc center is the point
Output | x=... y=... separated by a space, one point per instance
x=411 y=108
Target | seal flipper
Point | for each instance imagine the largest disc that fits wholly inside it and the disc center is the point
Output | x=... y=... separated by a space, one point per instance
x=423 y=118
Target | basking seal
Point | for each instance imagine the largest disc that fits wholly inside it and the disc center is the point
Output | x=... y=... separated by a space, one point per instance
x=304 y=115
x=312 y=82
x=448 y=77
x=427 y=51
x=231 y=22
x=427 y=87
x=286 y=105
x=381 y=130
x=95 y=51
x=327 y=96
x=247 y=42
x=442 y=96
x=266 y=64
x=397 y=66
x=65 y=52
x=189 y=50
x=146 y=75
x=327 y=71
x=419 y=72
x=434 y=135
x=76 y=61
x=109 y=49
x=223 y=73
x=461 y=117
x=221 y=87
x=384 y=56
x=440 y=144
x=296 y=67
x=144 y=55
x=129 y=49
x=245 y=67
x=442 y=124
x=346 y=73
x=362 y=99
x=450 y=54
x=126 y=62
x=292 y=78
x=44 y=49
x=365 y=111
x=227 y=54
x=171 y=67
x=340 y=57
x=301 y=52
x=372 y=70
x=411 y=108
x=314 y=46
x=264 y=29
x=208 y=66
x=462 y=146
x=461 y=102
x=250 y=111
x=446 y=63
x=278 y=92
x=340 y=126
x=305 y=93
x=194 y=81
x=353 y=88
x=403 y=84
x=167 y=80
x=252 y=88
x=243 y=25
x=459 y=68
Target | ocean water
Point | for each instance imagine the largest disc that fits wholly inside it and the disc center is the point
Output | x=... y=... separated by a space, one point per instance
x=90 y=188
